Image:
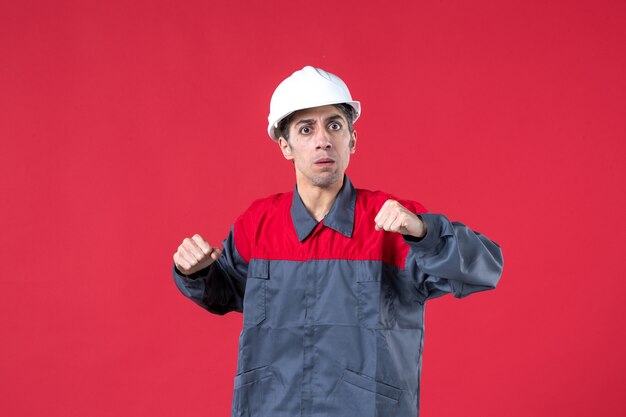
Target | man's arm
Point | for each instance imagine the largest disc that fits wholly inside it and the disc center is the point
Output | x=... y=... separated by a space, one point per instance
x=213 y=278
x=446 y=257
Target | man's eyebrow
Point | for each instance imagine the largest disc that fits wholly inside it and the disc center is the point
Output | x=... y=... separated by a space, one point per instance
x=334 y=117
x=304 y=122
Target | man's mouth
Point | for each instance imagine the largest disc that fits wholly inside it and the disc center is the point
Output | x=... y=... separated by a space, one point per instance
x=324 y=161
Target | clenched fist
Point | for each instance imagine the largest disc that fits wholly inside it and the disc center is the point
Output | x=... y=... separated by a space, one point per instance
x=195 y=254
x=394 y=217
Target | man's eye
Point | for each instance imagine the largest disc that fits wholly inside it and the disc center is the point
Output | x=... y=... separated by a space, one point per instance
x=305 y=130
x=334 y=126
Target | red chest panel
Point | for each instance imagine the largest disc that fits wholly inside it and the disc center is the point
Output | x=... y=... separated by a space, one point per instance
x=266 y=231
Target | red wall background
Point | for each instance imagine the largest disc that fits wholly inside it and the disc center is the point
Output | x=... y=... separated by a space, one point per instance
x=126 y=126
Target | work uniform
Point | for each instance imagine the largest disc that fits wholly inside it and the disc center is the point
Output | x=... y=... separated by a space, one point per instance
x=333 y=311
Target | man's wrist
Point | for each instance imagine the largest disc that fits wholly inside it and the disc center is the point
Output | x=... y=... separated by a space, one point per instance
x=416 y=237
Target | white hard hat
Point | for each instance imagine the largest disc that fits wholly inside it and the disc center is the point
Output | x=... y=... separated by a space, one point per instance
x=306 y=88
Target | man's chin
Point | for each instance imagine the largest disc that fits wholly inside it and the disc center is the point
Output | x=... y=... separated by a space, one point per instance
x=326 y=180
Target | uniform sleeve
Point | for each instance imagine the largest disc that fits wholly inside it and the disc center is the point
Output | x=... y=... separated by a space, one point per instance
x=220 y=287
x=452 y=258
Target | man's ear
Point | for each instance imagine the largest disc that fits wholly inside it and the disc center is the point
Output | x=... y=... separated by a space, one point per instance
x=285 y=148
x=353 y=142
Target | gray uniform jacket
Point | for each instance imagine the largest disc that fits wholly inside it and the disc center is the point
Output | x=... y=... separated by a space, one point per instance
x=333 y=312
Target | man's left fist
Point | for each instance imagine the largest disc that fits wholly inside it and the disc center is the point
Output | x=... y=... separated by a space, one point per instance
x=394 y=217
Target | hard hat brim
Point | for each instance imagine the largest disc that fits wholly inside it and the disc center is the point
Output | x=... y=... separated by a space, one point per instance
x=272 y=128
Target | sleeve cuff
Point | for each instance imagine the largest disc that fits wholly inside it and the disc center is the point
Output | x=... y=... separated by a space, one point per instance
x=202 y=273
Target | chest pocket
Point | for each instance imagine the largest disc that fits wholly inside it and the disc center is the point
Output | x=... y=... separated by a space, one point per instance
x=376 y=307
x=255 y=297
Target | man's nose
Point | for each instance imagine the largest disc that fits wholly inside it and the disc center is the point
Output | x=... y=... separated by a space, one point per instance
x=322 y=139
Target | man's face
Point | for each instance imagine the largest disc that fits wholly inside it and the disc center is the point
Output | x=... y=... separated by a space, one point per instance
x=320 y=144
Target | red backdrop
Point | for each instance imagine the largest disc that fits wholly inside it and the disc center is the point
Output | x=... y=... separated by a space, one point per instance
x=126 y=126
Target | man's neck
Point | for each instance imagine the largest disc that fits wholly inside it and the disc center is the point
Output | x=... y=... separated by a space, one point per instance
x=317 y=200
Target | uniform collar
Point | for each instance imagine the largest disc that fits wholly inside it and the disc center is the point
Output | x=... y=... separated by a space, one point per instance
x=340 y=217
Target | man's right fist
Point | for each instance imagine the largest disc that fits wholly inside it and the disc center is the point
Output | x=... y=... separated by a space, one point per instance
x=195 y=254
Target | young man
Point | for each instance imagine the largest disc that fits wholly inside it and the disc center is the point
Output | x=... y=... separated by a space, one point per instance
x=331 y=280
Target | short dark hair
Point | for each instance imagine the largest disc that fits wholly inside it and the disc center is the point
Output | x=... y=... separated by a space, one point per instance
x=346 y=109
